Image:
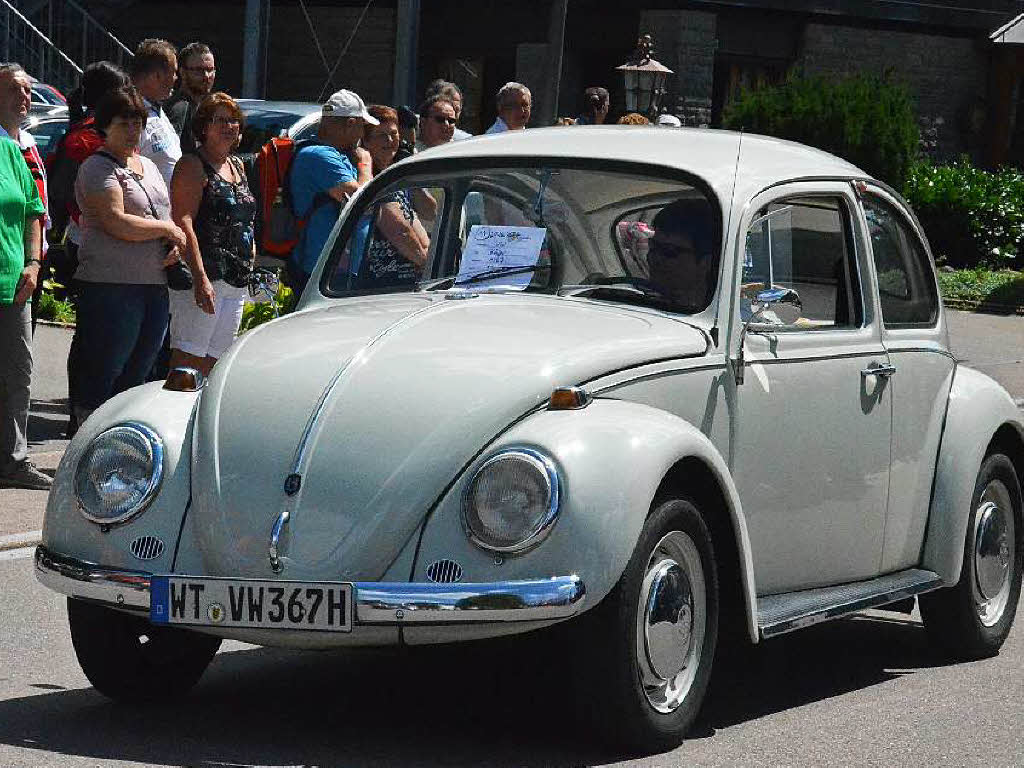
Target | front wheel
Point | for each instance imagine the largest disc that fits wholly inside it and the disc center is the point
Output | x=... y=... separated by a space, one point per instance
x=971 y=619
x=646 y=652
x=130 y=660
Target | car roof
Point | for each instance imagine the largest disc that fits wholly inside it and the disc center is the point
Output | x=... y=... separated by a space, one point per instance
x=706 y=153
x=292 y=107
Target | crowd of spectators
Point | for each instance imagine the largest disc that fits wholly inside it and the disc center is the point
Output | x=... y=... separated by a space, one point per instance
x=156 y=216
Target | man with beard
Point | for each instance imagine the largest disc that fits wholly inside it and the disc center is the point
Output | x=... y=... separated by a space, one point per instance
x=196 y=73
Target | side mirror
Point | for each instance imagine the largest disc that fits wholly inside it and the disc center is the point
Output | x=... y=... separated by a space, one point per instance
x=777 y=306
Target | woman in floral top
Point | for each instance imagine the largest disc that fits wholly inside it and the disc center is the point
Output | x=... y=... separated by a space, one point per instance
x=398 y=250
x=211 y=201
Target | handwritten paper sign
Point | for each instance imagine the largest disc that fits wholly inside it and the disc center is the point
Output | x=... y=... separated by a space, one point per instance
x=501 y=248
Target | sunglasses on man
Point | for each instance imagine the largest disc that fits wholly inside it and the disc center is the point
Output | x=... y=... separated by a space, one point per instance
x=443 y=120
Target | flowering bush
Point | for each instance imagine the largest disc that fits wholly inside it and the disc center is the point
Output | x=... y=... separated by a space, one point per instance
x=973 y=218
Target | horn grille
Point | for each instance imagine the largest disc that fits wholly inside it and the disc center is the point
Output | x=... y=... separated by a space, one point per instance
x=147 y=547
x=444 y=572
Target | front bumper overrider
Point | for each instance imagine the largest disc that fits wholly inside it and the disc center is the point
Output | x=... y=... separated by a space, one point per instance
x=376 y=603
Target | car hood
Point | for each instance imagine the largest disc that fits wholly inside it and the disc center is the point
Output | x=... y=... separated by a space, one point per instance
x=378 y=403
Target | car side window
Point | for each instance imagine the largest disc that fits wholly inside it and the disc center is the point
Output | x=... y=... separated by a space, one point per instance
x=906 y=285
x=804 y=244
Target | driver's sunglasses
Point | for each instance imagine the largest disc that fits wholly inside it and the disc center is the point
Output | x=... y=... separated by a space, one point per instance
x=202 y=70
x=442 y=120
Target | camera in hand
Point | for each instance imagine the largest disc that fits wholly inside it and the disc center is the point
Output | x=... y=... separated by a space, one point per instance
x=179 y=276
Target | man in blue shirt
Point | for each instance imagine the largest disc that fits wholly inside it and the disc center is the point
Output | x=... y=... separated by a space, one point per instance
x=324 y=175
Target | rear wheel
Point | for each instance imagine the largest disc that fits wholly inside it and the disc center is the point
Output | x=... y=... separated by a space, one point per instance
x=128 y=659
x=646 y=651
x=972 y=619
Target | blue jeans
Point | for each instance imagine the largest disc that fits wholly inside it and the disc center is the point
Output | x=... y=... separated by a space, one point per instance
x=119 y=332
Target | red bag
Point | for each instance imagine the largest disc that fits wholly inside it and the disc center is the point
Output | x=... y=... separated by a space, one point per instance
x=281 y=228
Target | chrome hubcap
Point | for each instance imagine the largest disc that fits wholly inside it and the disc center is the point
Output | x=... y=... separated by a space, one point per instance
x=671 y=618
x=994 y=544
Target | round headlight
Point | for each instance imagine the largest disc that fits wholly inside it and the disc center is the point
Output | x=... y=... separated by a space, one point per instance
x=512 y=501
x=119 y=473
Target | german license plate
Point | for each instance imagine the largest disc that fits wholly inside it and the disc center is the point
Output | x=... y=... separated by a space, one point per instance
x=323 y=606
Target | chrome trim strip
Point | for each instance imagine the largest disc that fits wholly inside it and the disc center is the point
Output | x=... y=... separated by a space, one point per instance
x=786 y=612
x=299 y=459
x=500 y=601
x=117 y=588
x=376 y=602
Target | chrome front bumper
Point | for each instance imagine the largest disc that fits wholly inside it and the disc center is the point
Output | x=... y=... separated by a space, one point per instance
x=376 y=603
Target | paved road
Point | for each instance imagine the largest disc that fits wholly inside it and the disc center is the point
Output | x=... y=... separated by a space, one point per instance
x=862 y=691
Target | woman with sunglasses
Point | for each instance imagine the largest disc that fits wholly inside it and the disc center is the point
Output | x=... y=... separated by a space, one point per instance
x=398 y=251
x=127 y=239
x=212 y=203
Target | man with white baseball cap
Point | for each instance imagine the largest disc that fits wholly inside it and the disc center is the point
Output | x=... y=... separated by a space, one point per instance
x=323 y=176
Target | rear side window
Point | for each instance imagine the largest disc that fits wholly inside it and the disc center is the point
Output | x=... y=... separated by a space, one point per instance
x=906 y=285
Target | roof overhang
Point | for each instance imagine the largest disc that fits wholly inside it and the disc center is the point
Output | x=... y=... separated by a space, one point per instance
x=1011 y=32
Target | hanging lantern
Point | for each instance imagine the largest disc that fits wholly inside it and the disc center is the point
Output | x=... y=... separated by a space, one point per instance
x=644 y=79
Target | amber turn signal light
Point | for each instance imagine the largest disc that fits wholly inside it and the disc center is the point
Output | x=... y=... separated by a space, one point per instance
x=184 y=380
x=568 y=399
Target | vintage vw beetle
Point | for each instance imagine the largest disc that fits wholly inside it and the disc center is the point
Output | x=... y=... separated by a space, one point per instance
x=669 y=387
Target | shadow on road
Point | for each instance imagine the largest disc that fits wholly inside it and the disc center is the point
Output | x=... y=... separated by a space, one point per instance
x=490 y=703
x=47 y=420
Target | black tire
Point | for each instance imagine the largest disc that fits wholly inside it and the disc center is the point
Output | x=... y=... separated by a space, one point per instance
x=607 y=669
x=130 y=660
x=953 y=616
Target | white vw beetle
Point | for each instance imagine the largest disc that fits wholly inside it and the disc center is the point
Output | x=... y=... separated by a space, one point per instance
x=671 y=388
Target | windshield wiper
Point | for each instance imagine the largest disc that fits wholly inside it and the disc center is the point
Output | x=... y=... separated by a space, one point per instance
x=627 y=293
x=478 y=277
x=576 y=290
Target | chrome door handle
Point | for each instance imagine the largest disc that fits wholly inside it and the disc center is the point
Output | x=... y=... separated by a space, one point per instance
x=885 y=371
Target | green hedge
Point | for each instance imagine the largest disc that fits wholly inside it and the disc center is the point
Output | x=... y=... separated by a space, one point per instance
x=973 y=218
x=866 y=119
x=1004 y=287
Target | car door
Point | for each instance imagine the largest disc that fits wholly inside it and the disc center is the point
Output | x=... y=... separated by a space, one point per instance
x=813 y=423
x=915 y=338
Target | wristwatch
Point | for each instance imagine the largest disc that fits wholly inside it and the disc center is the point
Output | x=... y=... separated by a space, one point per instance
x=30 y=262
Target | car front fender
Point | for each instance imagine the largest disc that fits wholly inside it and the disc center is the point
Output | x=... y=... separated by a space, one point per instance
x=612 y=457
x=978 y=407
x=67 y=532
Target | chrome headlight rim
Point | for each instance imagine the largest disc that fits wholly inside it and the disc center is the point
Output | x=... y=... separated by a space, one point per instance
x=156 y=445
x=540 y=461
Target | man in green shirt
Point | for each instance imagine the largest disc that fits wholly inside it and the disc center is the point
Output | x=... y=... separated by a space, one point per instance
x=21 y=216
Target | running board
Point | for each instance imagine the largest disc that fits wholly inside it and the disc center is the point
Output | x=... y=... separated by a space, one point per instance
x=778 y=614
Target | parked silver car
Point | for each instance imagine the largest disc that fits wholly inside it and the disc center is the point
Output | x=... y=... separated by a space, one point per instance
x=662 y=388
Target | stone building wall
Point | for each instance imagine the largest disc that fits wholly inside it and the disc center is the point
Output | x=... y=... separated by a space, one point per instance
x=295 y=70
x=685 y=42
x=947 y=76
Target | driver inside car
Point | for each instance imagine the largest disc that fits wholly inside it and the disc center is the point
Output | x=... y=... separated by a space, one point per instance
x=679 y=253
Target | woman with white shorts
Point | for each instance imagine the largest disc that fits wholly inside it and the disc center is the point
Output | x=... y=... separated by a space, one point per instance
x=212 y=203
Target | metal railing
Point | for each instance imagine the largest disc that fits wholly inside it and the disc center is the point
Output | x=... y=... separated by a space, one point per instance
x=54 y=39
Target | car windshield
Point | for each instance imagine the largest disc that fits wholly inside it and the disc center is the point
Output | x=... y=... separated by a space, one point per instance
x=608 y=235
x=265 y=121
x=46 y=133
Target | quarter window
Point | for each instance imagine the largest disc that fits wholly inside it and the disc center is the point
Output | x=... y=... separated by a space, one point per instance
x=906 y=286
x=804 y=245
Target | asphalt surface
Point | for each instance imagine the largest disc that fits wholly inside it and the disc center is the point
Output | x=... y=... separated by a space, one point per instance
x=863 y=691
